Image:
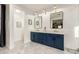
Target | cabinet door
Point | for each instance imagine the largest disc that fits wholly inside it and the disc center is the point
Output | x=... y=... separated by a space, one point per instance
x=59 y=42
x=39 y=37
x=44 y=38
x=50 y=40
x=33 y=36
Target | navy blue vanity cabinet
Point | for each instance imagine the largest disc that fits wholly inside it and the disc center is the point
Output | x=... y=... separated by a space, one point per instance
x=32 y=36
x=37 y=37
x=44 y=38
x=52 y=40
x=59 y=42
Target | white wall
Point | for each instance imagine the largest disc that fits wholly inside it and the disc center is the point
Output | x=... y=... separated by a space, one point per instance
x=9 y=27
x=28 y=28
x=13 y=33
x=70 y=22
x=19 y=16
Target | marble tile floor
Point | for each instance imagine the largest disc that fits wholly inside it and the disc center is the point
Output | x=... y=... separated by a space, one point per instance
x=31 y=48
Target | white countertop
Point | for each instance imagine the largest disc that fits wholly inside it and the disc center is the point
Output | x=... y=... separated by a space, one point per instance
x=52 y=32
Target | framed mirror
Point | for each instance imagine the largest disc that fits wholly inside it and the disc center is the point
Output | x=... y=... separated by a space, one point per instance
x=56 y=20
x=38 y=22
x=29 y=21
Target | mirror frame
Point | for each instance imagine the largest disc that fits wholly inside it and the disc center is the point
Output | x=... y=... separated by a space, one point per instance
x=39 y=21
x=55 y=19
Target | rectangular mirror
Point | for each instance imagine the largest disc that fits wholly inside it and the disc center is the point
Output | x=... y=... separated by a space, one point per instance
x=56 y=20
x=38 y=22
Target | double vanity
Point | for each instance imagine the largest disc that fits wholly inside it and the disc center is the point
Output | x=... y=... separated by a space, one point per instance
x=53 y=39
x=49 y=39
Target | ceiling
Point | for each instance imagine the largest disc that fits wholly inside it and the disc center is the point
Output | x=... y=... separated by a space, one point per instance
x=39 y=8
